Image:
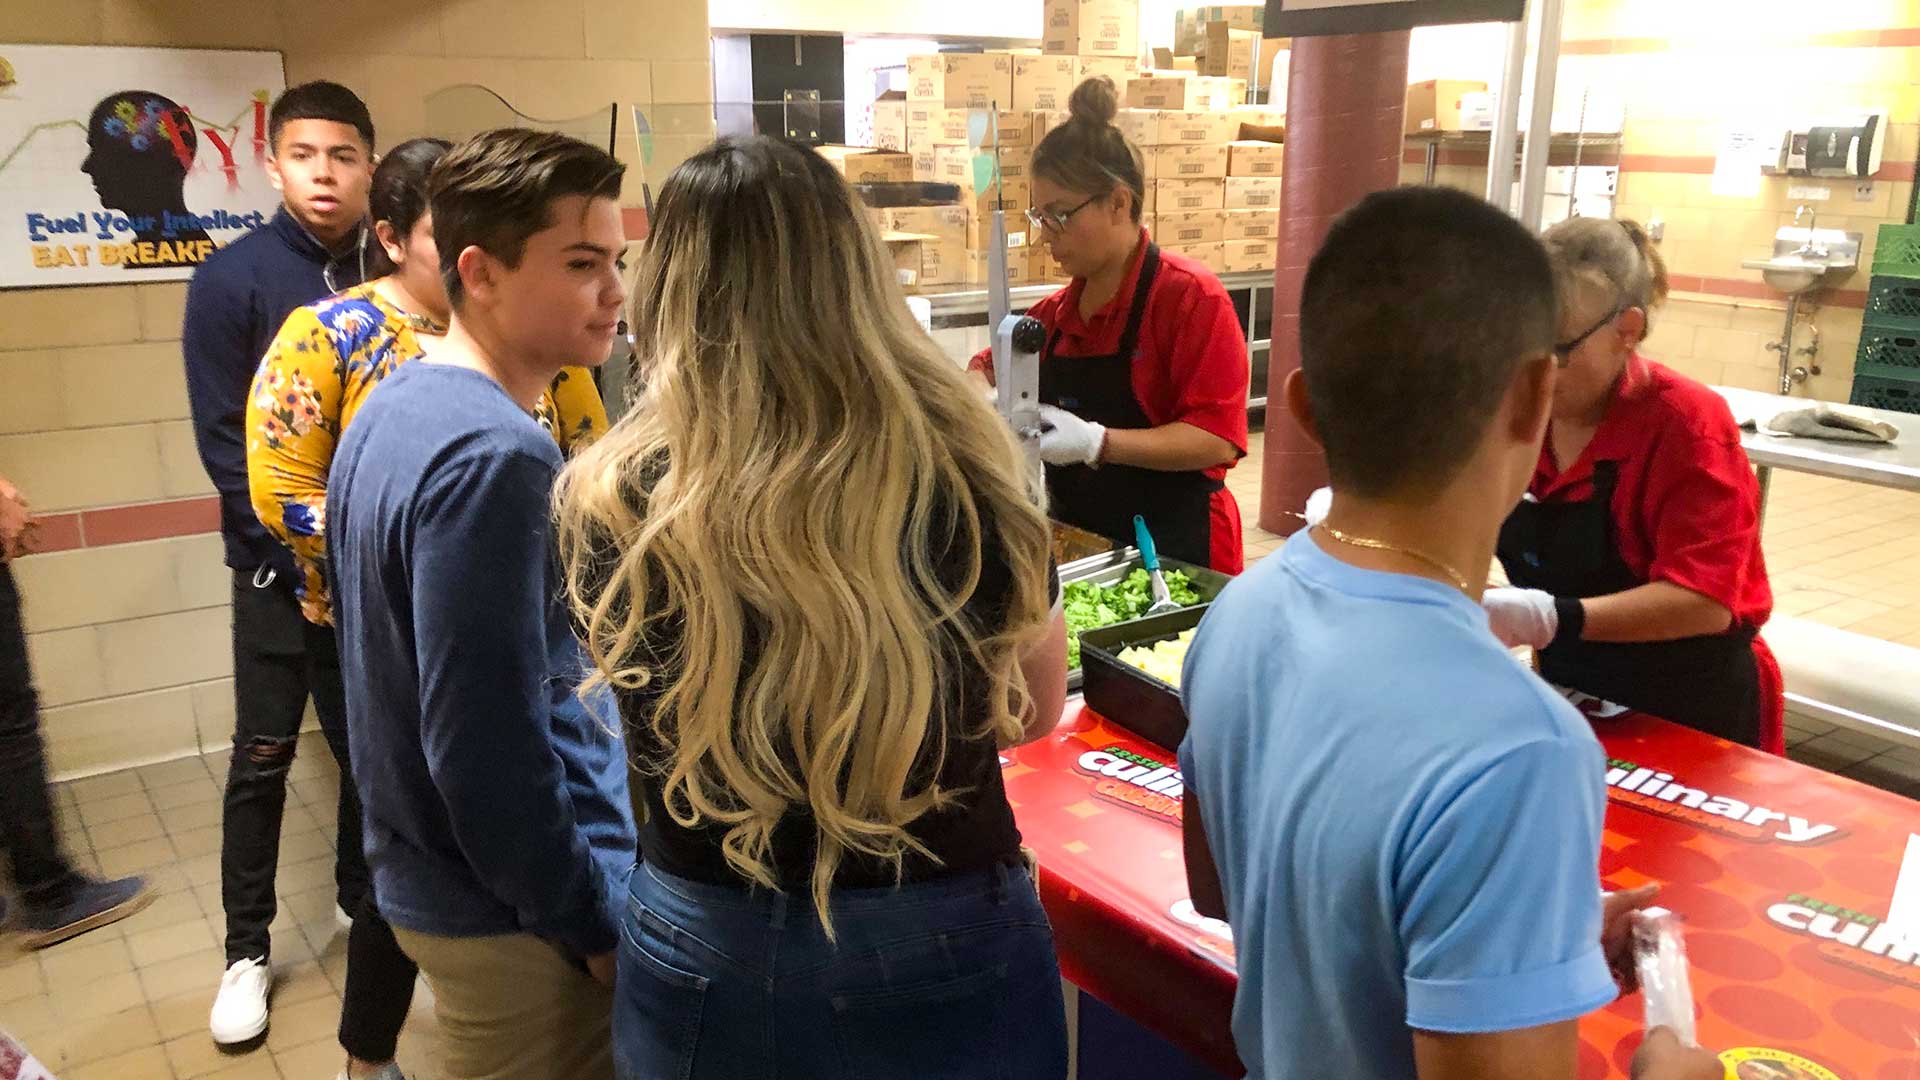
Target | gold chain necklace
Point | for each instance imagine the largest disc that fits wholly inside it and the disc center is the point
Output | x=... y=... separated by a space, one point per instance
x=1371 y=544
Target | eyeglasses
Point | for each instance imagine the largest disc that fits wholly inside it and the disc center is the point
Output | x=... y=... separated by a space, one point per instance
x=1563 y=352
x=1056 y=220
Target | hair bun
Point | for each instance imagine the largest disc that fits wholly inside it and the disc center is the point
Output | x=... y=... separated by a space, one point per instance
x=1094 y=101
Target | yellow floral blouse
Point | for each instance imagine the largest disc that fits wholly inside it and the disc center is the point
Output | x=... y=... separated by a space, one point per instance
x=326 y=359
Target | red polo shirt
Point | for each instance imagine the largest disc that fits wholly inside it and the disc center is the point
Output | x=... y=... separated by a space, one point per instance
x=1686 y=507
x=1191 y=364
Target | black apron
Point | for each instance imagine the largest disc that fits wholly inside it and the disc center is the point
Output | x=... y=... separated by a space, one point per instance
x=1178 y=506
x=1709 y=683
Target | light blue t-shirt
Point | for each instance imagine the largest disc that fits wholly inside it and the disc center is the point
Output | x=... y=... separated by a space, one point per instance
x=1406 y=821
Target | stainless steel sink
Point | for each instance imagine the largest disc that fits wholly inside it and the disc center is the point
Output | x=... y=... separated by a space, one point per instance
x=1789 y=273
x=1804 y=258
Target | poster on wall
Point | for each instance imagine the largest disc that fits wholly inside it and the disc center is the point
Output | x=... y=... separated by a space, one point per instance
x=121 y=165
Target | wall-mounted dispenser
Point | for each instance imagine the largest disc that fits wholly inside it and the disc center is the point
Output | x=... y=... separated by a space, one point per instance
x=1842 y=146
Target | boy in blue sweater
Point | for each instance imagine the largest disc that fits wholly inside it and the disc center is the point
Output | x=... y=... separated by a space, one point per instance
x=497 y=816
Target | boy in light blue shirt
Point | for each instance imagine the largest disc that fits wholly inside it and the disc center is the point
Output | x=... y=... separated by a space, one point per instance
x=1405 y=822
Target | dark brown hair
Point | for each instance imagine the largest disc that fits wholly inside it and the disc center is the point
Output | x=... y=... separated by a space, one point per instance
x=319 y=100
x=497 y=189
x=399 y=193
x=1087 y=153
x=1418 y=311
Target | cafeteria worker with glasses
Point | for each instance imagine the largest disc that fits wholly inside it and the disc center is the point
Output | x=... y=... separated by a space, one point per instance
x=1635 y=554
x=1143 y=379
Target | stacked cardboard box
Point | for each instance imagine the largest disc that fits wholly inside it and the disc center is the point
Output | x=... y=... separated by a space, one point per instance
x=1212 y=164
x=1091 y=28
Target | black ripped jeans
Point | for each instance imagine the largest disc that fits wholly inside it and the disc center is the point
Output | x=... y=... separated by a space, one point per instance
x=279 y=660
x=28 y=833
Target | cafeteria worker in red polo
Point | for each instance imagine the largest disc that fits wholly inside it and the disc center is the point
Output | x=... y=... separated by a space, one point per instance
x=1143 y=379
x=1636 y=551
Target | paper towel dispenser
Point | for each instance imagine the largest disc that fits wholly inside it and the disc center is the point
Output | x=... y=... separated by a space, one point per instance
x=1847 y=146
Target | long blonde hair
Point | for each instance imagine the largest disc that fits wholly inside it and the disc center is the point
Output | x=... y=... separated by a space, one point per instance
x=799 y=497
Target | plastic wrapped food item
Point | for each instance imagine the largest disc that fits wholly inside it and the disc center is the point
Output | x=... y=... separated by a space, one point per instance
x=1660 y=957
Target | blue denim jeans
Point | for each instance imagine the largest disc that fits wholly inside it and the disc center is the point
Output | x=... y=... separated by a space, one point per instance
x=946 y=980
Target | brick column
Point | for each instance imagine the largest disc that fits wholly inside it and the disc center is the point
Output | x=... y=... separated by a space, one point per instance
x=1345 y=97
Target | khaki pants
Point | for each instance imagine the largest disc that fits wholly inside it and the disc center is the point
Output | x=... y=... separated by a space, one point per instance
x=512 y=1007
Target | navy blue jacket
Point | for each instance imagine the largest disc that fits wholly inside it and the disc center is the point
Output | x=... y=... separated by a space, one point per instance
x=235 y=306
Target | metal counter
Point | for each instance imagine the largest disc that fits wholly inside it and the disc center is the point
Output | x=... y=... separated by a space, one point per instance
x=1895 y=465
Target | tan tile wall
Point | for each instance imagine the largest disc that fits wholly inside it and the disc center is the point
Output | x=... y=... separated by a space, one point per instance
x=1684 y=76
x=130 y=642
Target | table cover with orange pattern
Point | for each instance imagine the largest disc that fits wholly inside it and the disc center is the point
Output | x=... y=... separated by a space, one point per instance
x=1782 y=872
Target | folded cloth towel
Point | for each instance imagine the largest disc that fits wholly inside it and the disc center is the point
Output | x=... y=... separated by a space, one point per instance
x=1825 y=422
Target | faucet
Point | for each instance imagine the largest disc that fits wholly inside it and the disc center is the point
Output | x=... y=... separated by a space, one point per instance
x=1811 y=247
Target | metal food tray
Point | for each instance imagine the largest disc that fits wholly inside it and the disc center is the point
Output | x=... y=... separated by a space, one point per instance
x=1109 y=568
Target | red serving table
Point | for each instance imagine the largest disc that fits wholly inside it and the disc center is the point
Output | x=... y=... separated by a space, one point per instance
x=1788 y=971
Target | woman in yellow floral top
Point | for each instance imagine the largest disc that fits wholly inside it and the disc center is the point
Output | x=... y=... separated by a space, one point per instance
x=330 y=354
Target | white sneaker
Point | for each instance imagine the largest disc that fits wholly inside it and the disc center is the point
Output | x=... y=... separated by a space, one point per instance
x=240 y=1010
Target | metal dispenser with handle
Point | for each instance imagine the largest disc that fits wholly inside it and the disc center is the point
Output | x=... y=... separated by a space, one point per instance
x=1017 y=339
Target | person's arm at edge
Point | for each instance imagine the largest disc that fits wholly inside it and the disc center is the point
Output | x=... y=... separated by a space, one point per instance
x=290 y=470
x=1203 y=874
x=579 y=415
x=219 y=367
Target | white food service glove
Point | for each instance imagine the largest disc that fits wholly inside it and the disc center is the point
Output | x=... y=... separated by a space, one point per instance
x=1068 y=440
x=1318 y=504
x=1522 y=617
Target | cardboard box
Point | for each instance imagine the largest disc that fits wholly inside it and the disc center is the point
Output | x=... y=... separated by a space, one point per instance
x=1044 y=82
x=930 y=125
x=1014 y=200
x=1435 y=105
x=1261 y=123
x=1187 y=162
x=1186 y=196
x=1118 y=68
x=1242 y=256
x=1091 y=28
x=1168 y=127
x=890 y=121
x=962 y=80
x=905 y=249
x=1247 y=157
x=1180 y=92
x=1045 y=120
x=1251 y=224
x=1155 y=92
x=954 y=165
x=943 y=243
x=1194 y=227
x=1212 y=256
x=1165 y=60
x=865 y=165
x=1253 y=193
x=978 y=262
x=923 y=162
x=1225 y=51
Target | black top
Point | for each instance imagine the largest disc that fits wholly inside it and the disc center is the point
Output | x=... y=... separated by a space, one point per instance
x=975 y=831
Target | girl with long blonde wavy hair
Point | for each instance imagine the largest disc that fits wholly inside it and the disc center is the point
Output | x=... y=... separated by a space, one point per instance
x=811 y=566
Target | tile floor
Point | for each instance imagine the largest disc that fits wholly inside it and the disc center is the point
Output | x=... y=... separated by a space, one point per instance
x=129 y=1002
